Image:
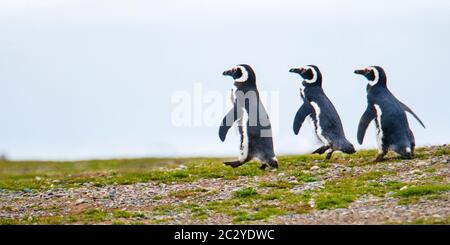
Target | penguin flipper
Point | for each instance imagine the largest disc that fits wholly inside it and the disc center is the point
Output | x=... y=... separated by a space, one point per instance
x=300 y=116
x=366 y=118
x=406 y=108
x=227 y=122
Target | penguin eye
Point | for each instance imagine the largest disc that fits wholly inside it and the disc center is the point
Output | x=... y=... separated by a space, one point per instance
x=309 y=72
x=371 y=74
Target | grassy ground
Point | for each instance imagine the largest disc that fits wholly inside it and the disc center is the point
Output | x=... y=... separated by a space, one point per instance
x=203 y=190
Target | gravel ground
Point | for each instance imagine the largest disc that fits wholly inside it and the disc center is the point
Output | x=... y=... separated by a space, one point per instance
x=372 y=210
x=145 y=197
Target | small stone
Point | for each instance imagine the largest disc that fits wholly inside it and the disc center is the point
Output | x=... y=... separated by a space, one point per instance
x=112 y=194
x=292 y=179
x=314 y=168
x=312 y=202
x=404 y=188
x=80 y=201
x=56 y=181
x=281 y=174
x=181 y=166
x=416 y=171
x=27 y=190
x=37 y=178
x=422 y=164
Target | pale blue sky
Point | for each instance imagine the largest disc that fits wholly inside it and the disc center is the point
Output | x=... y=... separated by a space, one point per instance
x=94 y=79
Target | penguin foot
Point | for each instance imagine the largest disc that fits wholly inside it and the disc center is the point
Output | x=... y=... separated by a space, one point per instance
x=379 y=158
x=234 y=164
x=321 y=150
x=273 y=164
x=410 y=156
x=328 y=157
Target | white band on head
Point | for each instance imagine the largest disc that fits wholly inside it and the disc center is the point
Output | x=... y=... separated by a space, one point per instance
x=377 y=76
x=244 y=76
x=314 y=78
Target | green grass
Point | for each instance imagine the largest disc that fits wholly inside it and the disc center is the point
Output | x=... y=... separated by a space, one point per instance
x=257 y=202
x=35 y=175
x=261 y=214
x=246 y=192
x=127 y=214
x=46 y=175
x=340 y=193
x=187 y=193
x=15 y=175
x=423 y=190
x=427 y=221
x=167 y=209
x=306 y=177
x=443 y=221
x=279 y=184
x=88 y=217
x=441 y=152
x=248 y=205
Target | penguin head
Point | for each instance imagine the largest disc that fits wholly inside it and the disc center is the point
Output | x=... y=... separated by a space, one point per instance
x=375 y=75
x=242 y=74
x=310 y=73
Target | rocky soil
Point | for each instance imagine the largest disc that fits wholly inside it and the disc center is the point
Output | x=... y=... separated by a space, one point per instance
x=187 y=203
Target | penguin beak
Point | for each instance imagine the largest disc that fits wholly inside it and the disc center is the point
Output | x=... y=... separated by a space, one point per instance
x=297 y=70
x=228 y=73
x=361 y=71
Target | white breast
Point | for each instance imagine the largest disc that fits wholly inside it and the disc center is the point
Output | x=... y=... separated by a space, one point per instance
x=233 y=94
x=318 y=129
x=378 y=128
x=244 y=147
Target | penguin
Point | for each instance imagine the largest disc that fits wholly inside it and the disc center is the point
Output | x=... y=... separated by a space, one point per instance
x=324 y=117
x=251 y=118
x=392 y=128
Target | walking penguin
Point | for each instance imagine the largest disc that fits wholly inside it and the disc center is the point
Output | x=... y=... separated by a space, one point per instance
x=251 y=118
x=392 y=129
x=324 y=117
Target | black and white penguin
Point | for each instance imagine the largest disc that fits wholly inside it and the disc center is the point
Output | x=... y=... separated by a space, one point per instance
x=392 y=129
x=251 y=118
x=324 y=117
